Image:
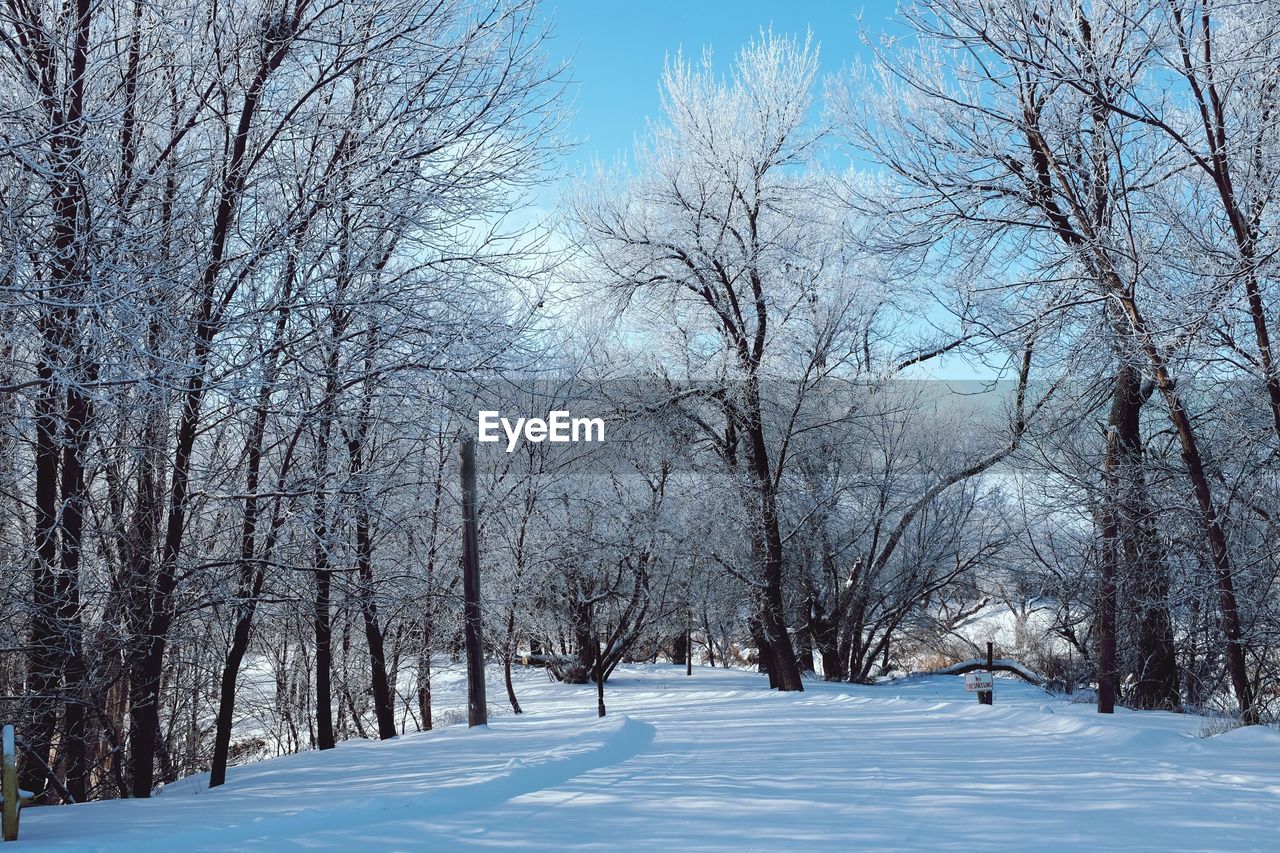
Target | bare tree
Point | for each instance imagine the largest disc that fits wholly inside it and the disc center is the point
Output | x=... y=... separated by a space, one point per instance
x=1040 y=167
x=710 y=225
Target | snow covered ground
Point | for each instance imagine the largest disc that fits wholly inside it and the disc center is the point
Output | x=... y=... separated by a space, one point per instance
x=717 y=761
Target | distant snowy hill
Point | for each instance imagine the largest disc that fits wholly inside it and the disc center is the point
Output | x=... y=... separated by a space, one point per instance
x=717 y=761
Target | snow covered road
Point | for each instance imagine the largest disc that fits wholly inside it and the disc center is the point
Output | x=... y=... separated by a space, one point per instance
x=716 y=761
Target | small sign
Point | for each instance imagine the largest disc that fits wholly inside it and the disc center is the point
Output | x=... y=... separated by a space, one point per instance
x=975 y=682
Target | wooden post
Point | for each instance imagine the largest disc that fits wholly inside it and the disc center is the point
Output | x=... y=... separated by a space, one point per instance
x=10 y=786
x=985 y=696
x=477 y=707
x=599 y=677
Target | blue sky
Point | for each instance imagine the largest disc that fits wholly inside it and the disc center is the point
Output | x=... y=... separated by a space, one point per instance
x=617 y=47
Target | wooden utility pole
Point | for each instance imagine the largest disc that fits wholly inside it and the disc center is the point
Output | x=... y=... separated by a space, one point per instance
x=477 y=708
x=985 y=696
x=599 y=677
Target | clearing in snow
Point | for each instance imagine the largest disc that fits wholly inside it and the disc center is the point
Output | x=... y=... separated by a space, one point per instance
x=717 y=761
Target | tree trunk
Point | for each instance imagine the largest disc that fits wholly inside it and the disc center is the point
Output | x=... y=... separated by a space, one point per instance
x=227 y=701
x=54 y=628
x=508 y=651
x=826 y=637
x=804 y=645
x=679 y=648
x=424 y=676
x=323 y=624
x=764 y=651
x=711 y=642
x=251 y=572
x=782 y=657
x=1157 y=687
x=1123 y=454
x=1142 y=571
x=66 y=587
x=1209 y=518
x=383 y=706
x=42 y=665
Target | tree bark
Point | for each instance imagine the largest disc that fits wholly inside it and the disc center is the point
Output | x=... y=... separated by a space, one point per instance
x=424 y=676
x=1209 y=518
x=508 y=648
x=782 y=657
x=383 y=707
x=74 y=497
x=1122 y=434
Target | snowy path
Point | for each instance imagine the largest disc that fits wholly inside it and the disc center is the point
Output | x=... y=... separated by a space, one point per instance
x=715 y=761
